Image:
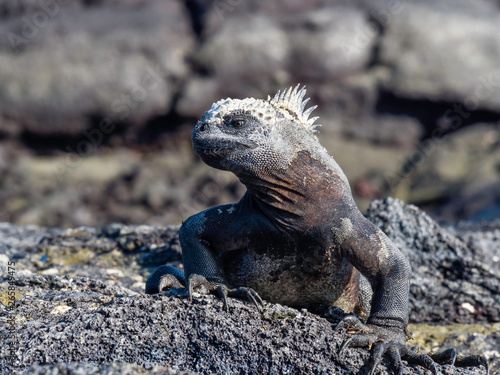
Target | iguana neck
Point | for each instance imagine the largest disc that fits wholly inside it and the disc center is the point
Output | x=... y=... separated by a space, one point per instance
x=300 y=194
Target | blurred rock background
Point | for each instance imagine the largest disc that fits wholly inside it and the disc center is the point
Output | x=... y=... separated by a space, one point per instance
x=98 y=99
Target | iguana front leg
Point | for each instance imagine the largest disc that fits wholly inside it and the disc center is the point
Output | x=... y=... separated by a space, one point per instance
x=383 y=265
x=203 y=238
x=388 y=271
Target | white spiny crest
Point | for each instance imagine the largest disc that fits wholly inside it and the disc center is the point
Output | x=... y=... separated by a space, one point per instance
x=290 y=104
x=293 y=103
x=260 y=108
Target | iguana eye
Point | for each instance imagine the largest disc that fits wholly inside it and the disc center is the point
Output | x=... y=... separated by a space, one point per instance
x=238 y=123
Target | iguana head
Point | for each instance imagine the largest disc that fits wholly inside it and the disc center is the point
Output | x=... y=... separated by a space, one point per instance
x=251 y=135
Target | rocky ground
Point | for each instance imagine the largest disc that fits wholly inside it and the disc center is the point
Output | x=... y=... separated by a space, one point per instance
x=80 y=307
x=98 y=99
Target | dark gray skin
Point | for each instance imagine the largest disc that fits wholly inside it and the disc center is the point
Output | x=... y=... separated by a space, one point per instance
x=296 y=237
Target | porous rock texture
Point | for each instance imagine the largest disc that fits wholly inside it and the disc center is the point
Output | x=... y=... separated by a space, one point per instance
x=111 y=369
x=80 y=303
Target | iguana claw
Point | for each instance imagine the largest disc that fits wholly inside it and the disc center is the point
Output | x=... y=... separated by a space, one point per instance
x=242 y=293
x=222 y=291
x=168 y=277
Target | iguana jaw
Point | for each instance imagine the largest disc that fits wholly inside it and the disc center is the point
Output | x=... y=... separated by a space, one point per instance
x=215 y=147
x=218 y=151
x=221 y=148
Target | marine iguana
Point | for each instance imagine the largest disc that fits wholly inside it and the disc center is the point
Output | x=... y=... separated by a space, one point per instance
x=296 y=237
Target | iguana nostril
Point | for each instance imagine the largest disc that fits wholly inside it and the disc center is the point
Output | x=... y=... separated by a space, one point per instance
x=203 y=127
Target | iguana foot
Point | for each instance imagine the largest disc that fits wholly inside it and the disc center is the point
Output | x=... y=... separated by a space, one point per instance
x=223 y=291
x=169 y=277
x=390 y=341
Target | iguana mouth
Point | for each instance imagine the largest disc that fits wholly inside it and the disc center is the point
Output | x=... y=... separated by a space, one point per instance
x=212 y=150
x=220 y=148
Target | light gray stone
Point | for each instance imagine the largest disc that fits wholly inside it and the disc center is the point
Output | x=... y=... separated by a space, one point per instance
x=445 y=52
x=60 y=72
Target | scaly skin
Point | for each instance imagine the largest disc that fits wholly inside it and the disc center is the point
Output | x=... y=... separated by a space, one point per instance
x=296 y=237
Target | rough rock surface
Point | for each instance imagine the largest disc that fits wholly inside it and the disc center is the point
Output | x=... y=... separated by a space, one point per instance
x=169 y=331
x=80 y=300
x=88 y=369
